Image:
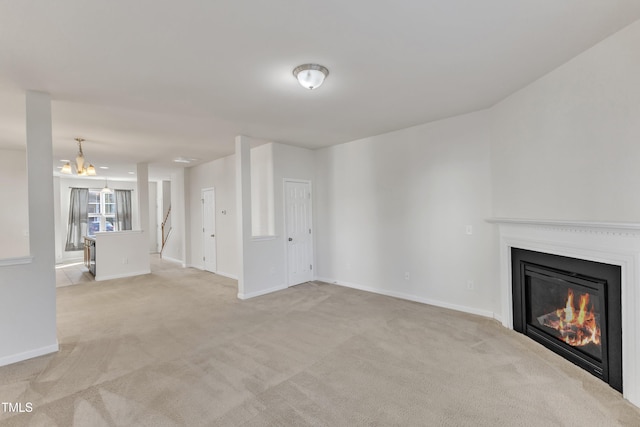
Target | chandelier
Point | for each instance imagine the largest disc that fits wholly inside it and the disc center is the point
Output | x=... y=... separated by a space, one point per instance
x=80 y=168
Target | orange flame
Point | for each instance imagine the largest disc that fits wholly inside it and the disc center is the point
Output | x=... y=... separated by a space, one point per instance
x=575 y=330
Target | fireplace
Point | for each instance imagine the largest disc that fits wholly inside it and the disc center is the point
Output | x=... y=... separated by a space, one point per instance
x=571 y=306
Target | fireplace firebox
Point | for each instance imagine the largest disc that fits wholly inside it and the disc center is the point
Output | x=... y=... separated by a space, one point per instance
x=572 y=307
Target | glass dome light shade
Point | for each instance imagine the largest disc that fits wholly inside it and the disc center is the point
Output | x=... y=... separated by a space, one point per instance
x=310 y=76
x=66 y=168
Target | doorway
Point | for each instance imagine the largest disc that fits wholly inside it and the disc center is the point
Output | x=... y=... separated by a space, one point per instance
x=209 y=229
x=298 y=237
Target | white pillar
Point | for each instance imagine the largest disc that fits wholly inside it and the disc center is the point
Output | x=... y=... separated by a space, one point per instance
x=28 y=291
x=142 y=175
x=176 y=248
x=40 y=178
x=142 y=188
x=243 y=206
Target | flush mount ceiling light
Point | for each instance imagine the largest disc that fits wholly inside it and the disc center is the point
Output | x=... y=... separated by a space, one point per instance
x=310 y=76
x=184 y=159
x=80 y=168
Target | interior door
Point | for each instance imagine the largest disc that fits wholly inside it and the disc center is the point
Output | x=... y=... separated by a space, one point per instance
x=298 y=232
x=209 y=229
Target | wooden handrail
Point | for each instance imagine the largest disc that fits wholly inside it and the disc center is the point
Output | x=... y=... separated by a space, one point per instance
x=165 y=236
x=166 y=217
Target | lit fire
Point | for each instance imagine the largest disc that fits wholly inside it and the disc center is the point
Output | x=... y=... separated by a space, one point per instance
x=576 y=327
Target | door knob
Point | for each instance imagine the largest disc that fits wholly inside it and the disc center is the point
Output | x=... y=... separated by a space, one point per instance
x=213 y=235
x=290 y=239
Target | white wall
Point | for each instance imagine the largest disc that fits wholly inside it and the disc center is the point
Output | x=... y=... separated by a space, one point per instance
x=28 y=290
x=262 y=196
x=153 y=217
x=175 y=248
x=263 y=265
x=14 y=216
x=64 y=188
x=164 y=203
x=121 y=254
x=564 y=147
x=568 y=145
x=219 y=174
x=400 y=203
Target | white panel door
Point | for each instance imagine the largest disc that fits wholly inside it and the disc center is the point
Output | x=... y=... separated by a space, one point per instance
x=209 y=229
x=298 y=232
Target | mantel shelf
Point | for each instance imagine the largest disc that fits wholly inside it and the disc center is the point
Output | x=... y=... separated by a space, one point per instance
x=567 y=223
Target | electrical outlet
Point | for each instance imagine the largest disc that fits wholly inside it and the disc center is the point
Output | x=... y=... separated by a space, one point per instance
x=407 y=276
x=125 y=260
x=469 y=229
x=470 y=285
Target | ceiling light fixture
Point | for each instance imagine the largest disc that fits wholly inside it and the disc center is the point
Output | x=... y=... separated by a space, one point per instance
x=310 y=76
x=182 y=159
x=106 y=189
x=81 y=170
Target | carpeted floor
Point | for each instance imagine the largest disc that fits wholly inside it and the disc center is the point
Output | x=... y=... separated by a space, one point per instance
x=177 y=348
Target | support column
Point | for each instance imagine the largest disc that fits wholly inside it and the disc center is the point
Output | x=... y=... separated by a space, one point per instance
x=28 y=291
x=142 y=187
x=243 y=206
x=142 y=175
x=40 y=179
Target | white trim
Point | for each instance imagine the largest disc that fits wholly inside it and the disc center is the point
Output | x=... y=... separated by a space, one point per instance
x=111 y=233
x=215 y=226
x=177 y=261
x=590 y=226
x=263 y=292
x=607 y=242
x=6 y=262
x=219 y=273
x=19 y=357
x=123 y=275
x=263 y=238
x=408 y=297
x=227 y=275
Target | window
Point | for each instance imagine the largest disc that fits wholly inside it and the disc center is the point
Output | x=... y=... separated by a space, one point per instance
x=101 y=211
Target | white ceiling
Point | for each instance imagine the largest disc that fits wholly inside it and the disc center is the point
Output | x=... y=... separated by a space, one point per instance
x=150 y=80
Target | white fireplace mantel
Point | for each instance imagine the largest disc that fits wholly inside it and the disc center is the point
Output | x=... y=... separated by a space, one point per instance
x=607 y=242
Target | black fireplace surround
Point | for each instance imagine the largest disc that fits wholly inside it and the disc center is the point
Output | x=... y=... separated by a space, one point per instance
x=571 y=306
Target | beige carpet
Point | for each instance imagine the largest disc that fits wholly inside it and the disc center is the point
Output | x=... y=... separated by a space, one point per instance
x=177 y=348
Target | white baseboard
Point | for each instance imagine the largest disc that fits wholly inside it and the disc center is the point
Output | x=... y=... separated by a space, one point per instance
x=401 y=295
x=68 y=260
x=6 y=262
x=219 y=273
x=228 y=275
x=14 y=358
x=121 y=276
x=179 y=261
x=263 y=292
